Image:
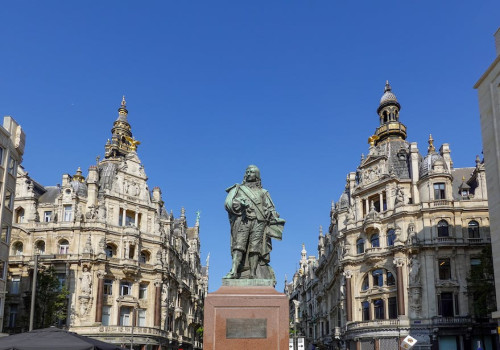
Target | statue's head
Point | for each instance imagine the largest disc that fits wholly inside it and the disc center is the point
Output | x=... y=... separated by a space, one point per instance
x=252 y=175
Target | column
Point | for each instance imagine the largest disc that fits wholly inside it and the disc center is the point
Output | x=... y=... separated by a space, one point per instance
x=100 y=290
x=124 y=216
x=348 y=292
x=381 y=201
x=399 y=262
x=157 y=304
x=136 y=219
x=367 y=205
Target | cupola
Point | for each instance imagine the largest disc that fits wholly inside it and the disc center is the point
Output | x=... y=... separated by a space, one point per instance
x=121 y=142
x=388 y=111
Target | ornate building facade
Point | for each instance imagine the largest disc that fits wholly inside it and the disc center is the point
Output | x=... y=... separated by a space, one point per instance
x=132 y=270
x=405 y=237
x=12 y=140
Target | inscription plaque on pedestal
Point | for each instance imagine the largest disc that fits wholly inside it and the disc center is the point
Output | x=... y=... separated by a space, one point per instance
x=246 y=328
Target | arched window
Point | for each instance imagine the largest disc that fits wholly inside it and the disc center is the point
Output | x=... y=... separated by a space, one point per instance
x=17 y=248
x=360 y=246
x=20 y=215
x=378 y=277
x=144 y=258
x=40 y=247
x=473 y=229
x=391 y=237
x=366 y=284
x=374 y=240
x=63 y=247
x=110 y=250
x=442 y=227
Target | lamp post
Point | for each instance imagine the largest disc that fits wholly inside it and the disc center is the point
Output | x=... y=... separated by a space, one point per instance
x=132 y=331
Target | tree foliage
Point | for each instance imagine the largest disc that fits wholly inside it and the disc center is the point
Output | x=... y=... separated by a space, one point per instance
x=51 y=299
x=481 y=285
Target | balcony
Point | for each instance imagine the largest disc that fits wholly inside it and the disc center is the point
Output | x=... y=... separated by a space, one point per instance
x=442 y=203
x=119 y=331
x=451 y=321
x=377 y=324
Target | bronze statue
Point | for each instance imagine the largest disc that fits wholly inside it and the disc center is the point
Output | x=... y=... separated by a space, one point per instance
x=254 y=221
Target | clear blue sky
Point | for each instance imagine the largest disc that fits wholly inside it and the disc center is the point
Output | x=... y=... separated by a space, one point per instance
x=212 y=86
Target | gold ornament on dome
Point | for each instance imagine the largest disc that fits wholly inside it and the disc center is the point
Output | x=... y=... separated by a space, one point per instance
x=133 y=143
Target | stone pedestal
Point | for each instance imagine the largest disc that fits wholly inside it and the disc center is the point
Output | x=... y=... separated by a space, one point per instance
x=246 y=318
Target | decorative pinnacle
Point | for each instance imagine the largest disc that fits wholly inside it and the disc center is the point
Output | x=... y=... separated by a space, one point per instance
x=431 y=148
x=387 y=86
x=320 y=230
x=123 y=107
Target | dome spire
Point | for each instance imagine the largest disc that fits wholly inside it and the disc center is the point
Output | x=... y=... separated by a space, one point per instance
x=431 y=148
x=121 y=134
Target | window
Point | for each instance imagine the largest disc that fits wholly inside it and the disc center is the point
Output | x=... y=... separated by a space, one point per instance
x=445 y=304
x=2 y=269
x=141 y=318
x=442 y=227
x=393 y=307
x=444 y=269
x=144 y=258
x=365 y=306
x=125 y=288
x=1 y=156
x=68 y=213
x=439 y=191
x=17 y=248
x=6 y=234
x=106 y=315
x=14 y=285
x=110 y=251
x=40 y=247
x=378 y=309
x=390 y=279
x=143 y=291
x=391 y=237
x=61 y=277
x=375 y=241
x=378 y=277
x=366 y=284
x=63 y=247
x=360 y=246
x=475 y=267
x=125 y=312
x=8 y=199
x=108 y=287
x=20 y=215
x=12 y=166
x=47 y=216
x=12 y=315
x=473 y=229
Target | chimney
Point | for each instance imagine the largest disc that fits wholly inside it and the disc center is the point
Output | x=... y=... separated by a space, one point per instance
x=497 y=41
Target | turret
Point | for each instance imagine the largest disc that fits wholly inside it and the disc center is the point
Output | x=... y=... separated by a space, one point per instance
x=121 y=142
x=388 y=111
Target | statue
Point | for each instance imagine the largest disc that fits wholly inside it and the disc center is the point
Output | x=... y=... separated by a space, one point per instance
x=414 y=270
x=86 y=278
x=400 y=197
x=254 y=221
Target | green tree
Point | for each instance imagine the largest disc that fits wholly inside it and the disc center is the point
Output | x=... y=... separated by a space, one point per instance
x=481 y=285
x=51 y=299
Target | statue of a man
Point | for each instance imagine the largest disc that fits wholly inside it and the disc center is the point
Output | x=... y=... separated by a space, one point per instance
x=254 y=221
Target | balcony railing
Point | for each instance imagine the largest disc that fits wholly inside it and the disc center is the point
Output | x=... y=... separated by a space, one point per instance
x=374 y=324
x=442 y=203
x=451 y=321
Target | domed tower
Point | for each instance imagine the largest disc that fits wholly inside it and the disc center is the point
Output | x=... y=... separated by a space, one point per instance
x=388 y=111
x=121 y=140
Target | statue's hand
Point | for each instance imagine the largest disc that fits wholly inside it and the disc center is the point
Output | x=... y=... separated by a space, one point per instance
x=236 y=206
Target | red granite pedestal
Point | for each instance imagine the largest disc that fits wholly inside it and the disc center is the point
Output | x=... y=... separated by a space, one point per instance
x=246 y=318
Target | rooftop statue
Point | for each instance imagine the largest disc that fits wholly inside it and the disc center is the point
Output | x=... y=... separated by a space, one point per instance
x=254 y=221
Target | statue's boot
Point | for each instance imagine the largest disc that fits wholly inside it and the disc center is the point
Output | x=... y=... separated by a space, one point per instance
x=237 y=256
x=254 y=261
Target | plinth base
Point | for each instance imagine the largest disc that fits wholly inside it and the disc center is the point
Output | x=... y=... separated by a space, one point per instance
x=246 y=318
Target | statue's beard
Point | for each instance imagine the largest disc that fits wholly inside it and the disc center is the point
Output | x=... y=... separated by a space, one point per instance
x=252 y=184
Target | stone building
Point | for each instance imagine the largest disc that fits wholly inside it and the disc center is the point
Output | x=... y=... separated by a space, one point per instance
x=405 y=236
x=12 y=139
x=132 y=269
x=488 y=88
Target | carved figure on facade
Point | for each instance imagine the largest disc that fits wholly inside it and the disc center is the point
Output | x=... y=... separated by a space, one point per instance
x=86 y=282
x=412 y=235
x=350 y=216
x=88 y=246
x=414 y=270
x=102 y=246
x=400 y=197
